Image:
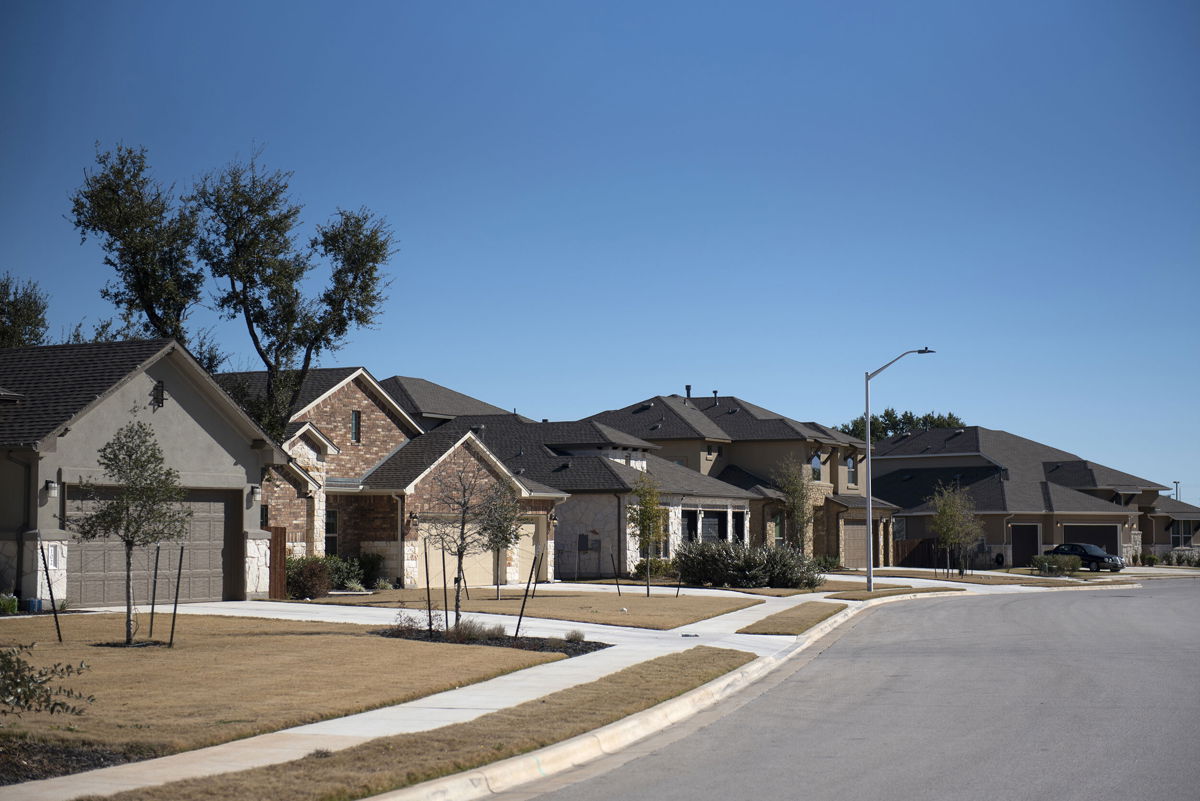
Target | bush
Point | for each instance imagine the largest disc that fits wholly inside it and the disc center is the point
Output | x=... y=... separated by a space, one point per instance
x=1135 y=559
x=659 y=568
x=381 y=584
x=574 y=635
x=354 y=586
x=307 y=577
x=726 y=564
x=826 y=564
x=343 y=572
x=371 y=565
x=9 y=604
x=24 y=688
x=469 y=630
x=1055 y=564
x=1149 y=559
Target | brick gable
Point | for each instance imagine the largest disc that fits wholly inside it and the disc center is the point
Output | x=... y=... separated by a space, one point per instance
x=381 y=431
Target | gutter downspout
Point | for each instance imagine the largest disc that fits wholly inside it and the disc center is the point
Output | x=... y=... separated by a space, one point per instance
x=25 y=524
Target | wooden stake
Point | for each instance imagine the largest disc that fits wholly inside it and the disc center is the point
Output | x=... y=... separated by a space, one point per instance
x=50 y=586
x=428 y=591
x=154 y=589
x=175 y=611
x=520 y=617
x=617 y=578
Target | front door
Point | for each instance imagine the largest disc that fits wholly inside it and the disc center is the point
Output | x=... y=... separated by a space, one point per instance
x=1026 y=542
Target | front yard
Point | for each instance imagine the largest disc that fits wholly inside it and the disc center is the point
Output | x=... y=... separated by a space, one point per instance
x=628 y=609
x=228 y=678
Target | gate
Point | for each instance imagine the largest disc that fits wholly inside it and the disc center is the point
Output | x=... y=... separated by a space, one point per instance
x=277 y=569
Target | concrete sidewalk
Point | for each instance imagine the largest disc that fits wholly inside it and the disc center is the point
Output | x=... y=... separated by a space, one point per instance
x=630 y=646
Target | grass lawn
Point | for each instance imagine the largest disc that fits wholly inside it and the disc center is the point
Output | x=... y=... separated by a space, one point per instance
x=1057 y=581
x=228 y=678
x=655 y=612
x=1029 y=581
x=392 y=762
x=829 y=585
x=797 y=620
x=863 y=595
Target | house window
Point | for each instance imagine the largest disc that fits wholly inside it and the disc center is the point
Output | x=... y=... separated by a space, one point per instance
x=815 y=461
x=264 y=517
x=331 y=532
x=851 y=470
x=1181 y=534
x=158 y=397
x=356 y=426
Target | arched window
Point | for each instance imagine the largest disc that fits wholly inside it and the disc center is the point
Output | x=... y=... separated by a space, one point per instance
x=851 y=470
x=816 y=466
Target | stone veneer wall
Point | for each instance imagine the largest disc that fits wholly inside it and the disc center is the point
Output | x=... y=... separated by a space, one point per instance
x=258 y=566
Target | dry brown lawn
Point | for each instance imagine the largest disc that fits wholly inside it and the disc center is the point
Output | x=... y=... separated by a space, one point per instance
x=627 y=609
x=797 y=620
x=829 y=585
x=392 y=762
x=863 y=595
x=1029 y=581
x=228 y=678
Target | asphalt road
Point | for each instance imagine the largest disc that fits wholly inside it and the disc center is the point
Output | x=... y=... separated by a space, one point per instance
x=1066 y=695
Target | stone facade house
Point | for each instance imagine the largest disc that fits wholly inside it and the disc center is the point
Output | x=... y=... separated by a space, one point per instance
x=739 y=443
x=1030 y=496
x=59 y=405
x=361 y=475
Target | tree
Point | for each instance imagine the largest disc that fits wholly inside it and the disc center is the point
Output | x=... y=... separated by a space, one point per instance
x=793 y=479
x=241 y=223
x=891 y=423
x=24 y=688
x=142 y=508
x=645 y=516
x=500 y=522
x=955 y=523
x=22 y=313
x=148 y=238
x=459 y=493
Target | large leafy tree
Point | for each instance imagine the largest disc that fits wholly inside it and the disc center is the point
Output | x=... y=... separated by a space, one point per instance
x=22 y=313
x=793 y=478
x=954 y=521
x=140 y=504
x=891 y=423
x=645 y=516
x=243 y=225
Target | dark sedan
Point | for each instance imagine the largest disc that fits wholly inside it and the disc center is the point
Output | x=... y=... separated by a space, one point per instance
x=1090 y=556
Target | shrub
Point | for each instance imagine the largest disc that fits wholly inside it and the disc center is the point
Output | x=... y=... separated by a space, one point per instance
x=826 y=564
x=704 y=562
x=1055 y=564
x=788 y=567
x=343 y=571
x=381 y=584
x=9 y=604
x=371 y=565
x=24 y=688
x=1149 y=559
x=724 y=564
x=307 y=577
x=658 y=568
x=748 y=567
x=574 y=635
x=1135 y=559
x=354 y=586
x=408 y=624
x=469 y=630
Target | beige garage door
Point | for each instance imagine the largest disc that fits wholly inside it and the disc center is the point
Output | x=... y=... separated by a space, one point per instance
x=96 y=570
x=855 y=544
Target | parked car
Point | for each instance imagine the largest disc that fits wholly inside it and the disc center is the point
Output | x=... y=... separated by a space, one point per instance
x=1090 y=556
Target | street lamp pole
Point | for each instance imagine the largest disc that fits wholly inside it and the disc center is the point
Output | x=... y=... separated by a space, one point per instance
x=867 y=430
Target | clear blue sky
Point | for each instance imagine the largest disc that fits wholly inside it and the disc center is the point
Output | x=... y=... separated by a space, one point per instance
x=598 y=202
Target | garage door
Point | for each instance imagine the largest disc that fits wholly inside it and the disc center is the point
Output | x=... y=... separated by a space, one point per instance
x=1105 y=536
x=96 y=570
x=855 y=544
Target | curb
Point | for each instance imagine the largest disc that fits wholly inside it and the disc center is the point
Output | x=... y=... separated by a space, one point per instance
x=508 y=773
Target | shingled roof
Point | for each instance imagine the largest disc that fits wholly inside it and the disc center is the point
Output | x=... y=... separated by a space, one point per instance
x=433 y=402
x=721 y=419
x=50 y=385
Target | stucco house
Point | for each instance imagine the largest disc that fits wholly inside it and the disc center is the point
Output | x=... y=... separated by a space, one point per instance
x=1030 y=496
x=59 y=405
x=739 y=443
x=363 y=479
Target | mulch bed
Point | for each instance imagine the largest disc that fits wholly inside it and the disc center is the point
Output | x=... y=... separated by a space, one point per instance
x=550 y=644
x=26 y=760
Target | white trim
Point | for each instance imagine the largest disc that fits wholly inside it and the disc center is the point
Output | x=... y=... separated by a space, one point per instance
x=376 y=388
x=330 y=447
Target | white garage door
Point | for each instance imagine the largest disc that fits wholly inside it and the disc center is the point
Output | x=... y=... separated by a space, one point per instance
x=96 y=570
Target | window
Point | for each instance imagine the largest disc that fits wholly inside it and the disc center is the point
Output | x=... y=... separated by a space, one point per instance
x=815 y=461
x=356 y=426
x=1181 y=534
x=331 y=532
x=264 y=517
x=851 y=470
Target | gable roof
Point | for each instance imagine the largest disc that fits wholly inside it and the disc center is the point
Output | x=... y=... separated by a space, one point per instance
x=722 y=419
x=52 y=385
x=1176 y=510
x=422 y=398
x=319 y=383
x=1030 y=460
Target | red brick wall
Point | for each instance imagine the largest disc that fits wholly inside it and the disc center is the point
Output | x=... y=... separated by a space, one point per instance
x=381 y=433
x=363 y=518
x=287 y=504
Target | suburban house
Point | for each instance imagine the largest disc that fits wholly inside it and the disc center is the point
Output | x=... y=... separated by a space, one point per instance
x=59 y=405
x=599 y=467
x=364 y=478
x=742 y=444
x=1029 y=496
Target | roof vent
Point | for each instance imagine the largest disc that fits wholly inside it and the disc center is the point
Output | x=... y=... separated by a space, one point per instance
x=521 y=452
x=734 y=410
x=547 y=420
x=688 y=388
x=716 y=399
x=656 y=426
x=520 y=471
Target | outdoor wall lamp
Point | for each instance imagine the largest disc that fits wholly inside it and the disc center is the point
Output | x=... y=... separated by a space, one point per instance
x=867 y=431
x=51 y=488
x=553 y=518
x=413 y=518
x=255 y=493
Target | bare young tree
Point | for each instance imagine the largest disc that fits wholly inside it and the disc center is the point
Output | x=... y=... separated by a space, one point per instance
x=460 y=489
x=500 y=520
x=793 y=479
x=143 y=505
x=645 y=515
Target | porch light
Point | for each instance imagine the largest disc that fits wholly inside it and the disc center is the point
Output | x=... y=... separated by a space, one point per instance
x=867 y=431
x=413 y=518
x=51 y=488
x=255 y=493
x=553 y=518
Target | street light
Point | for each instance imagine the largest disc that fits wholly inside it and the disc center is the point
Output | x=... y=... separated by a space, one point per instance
x=867 y=427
